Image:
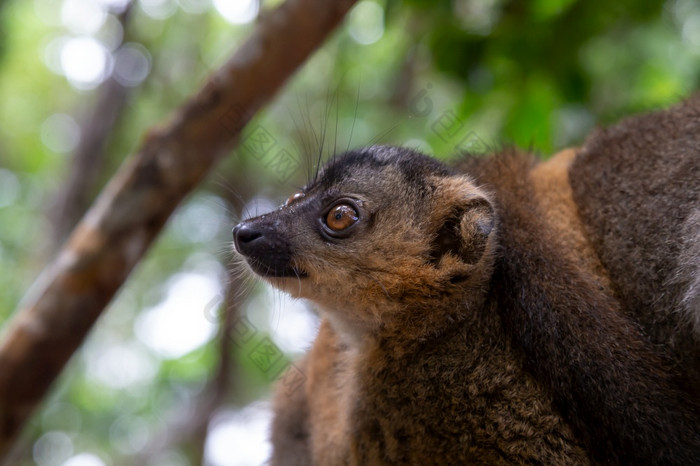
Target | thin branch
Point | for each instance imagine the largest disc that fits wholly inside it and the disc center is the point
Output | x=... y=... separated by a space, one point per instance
x=64 y=303
x=89 y=157
x=190 y=427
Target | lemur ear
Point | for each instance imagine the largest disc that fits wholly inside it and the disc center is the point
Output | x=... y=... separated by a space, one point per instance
x=465 y=230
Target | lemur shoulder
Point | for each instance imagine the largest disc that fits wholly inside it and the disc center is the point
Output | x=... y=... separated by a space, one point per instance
x=498 y=311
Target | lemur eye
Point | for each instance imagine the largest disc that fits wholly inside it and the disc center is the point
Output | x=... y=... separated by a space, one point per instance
x=341 y=217
x=294 y=197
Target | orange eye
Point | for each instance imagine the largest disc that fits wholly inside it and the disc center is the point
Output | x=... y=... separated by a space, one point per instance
x=294 y=197
x=341 y=217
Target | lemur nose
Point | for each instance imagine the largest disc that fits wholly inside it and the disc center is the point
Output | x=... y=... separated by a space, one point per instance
x=244 y=235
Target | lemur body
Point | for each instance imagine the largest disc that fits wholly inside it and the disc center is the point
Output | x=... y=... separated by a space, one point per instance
x=503 y=311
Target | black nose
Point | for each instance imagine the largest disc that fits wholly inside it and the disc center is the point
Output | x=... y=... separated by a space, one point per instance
x=244 y=235
x=266 y=248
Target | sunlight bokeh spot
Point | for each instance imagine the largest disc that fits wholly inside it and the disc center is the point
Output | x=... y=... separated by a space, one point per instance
x=158 y=9
x=85 y=62
x=239 y=438
x=293 y=326
x=9 y=188
x=83 y=16
x=121 y=365
x=238 y=11
x=111 y=33
x=129 y=434
x=366 y=23
x=691 y=30
x=84 y=459
x=177 y=325
x=60 y=133
x=201 y=219
x=51 y=55
x=132 y=63
x=52 y=448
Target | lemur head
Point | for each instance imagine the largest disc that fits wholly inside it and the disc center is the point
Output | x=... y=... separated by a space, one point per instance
x=384 y=236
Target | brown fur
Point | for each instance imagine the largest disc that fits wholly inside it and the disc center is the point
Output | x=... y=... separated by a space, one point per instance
x=653 y=163
x=500 y=317
x=552 y=190
x=623 y=398
x=290 y=426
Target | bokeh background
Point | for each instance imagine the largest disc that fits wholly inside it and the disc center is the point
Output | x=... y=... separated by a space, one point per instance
x=178 y=370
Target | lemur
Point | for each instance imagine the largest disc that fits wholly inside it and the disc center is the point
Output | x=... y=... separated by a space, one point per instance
x=500 y=310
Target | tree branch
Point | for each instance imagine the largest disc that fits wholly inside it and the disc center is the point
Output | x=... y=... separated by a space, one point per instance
x=66 y=300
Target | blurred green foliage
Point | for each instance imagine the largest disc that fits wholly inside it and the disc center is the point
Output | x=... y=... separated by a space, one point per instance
x=440 y=75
